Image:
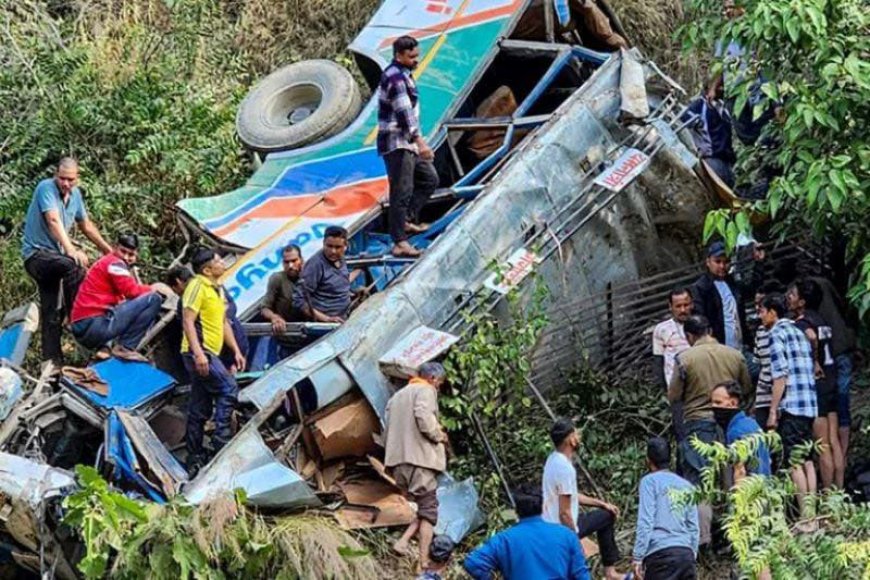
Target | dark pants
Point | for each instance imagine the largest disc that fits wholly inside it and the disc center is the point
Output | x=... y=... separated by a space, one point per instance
x=691 y=462
x=600 y=522
x=670 y=564
x=126 y=323
x=216 y=392
x=412 y=181
x=51 y=272
x=722 y=168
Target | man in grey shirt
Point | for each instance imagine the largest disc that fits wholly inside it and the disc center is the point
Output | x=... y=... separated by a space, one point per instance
x=324 y=292
x=278 y=302
x=666 y=543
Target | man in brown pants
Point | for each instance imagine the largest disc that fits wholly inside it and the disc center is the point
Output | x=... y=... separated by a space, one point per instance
x=415 y=451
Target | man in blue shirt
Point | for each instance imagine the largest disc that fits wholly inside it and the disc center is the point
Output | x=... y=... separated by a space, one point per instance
x=50 y=257
x=324 y=294
x=666 y=543
x=532 y=548
x=726 y=399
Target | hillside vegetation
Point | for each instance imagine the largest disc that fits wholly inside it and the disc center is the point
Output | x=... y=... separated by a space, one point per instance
x=145 y=92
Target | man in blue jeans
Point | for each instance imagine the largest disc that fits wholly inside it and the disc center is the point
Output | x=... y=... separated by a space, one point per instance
x=111 y=305
x=532 y=548
x=206 y=331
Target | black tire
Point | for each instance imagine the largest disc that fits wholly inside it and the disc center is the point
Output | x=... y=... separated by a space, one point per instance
x=297 y=105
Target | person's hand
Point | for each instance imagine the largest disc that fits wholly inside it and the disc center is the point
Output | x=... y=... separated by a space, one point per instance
x=819 y=372
x=425 y=151
x=611 y=508
x=638 y=570
x=240 y=361
x=336 y=319
x=279 y=325
x=771 y=421
x=200 y=362
x=758 y=253
x=80 y=258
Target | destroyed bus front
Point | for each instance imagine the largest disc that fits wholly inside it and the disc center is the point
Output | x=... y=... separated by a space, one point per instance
x=553 y=158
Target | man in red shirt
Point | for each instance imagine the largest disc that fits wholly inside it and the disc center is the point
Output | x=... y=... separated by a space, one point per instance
x=112 y=305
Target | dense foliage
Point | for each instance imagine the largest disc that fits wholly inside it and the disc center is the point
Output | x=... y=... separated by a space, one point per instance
x=144 y=92
x=759 y=529
x=810 y=59
x=220 y=539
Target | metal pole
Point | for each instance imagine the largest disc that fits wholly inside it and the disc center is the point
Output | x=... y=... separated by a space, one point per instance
x=493 y=458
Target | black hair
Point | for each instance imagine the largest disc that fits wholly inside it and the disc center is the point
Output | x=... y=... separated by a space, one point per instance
x=733 y=388
x=770 y=287
x=697 y=325
x=292 y=248
x=678 y=291
x=560 y=430
x=404 y=43
x=201 y=258
x=658 y=451
x=178 y=274
x=128 y=240
x=441 y=549
x=335 y=232
x=528 y=499
x=810 y=291
x=775 y=302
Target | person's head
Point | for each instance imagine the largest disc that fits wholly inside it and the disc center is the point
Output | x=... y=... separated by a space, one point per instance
x=696 y=327
x=66 y=176
x=680 y=303
x=208 y=263
x=127 y=248
x=770 y=287
x=177 y=278
x=291 y=261
x=528 y=499
x=772 y=308
x=433 y=373
x=725 y=399
x=334 y=243
x=804 y=294
x=731 y=10
x=406 y=51
x=658 y=454
x=564 y=435
x=440 y=551
x=718 y=261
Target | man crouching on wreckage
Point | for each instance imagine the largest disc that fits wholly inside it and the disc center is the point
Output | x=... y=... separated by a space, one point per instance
x=416 y=451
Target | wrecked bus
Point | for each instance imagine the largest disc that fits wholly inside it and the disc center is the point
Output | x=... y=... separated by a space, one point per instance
x=559 y=152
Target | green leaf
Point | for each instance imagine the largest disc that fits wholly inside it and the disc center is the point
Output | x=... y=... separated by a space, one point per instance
x=792 y=26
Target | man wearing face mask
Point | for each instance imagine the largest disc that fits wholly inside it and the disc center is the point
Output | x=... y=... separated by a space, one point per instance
x=407 y=156
x=736 y=425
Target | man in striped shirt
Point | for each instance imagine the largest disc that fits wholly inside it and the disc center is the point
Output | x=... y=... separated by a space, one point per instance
x=407 y=156
x=764 y=385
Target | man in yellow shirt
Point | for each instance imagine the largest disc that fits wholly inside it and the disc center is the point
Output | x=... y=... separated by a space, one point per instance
x=206 y=330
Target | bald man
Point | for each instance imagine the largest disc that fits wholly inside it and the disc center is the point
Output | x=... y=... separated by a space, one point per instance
x=50 y=257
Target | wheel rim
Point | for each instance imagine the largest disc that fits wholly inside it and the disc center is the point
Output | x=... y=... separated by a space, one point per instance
x=293 y=105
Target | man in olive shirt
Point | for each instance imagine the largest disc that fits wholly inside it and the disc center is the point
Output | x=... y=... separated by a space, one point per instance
x=278 y=302
x=697 y=372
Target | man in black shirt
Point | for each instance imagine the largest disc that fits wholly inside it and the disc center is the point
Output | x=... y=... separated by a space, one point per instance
x=278 y=302
x=804 y=297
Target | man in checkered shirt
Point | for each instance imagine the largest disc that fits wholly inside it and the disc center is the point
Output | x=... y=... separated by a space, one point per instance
x=793 y=407
x=407 y=156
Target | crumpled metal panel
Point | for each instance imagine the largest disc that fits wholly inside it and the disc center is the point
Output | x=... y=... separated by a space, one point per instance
x=248 y=464
x=458 y=511
x=31 y=482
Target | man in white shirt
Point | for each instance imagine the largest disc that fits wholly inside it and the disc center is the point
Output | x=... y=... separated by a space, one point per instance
x=562 y=499
x=669 y=340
